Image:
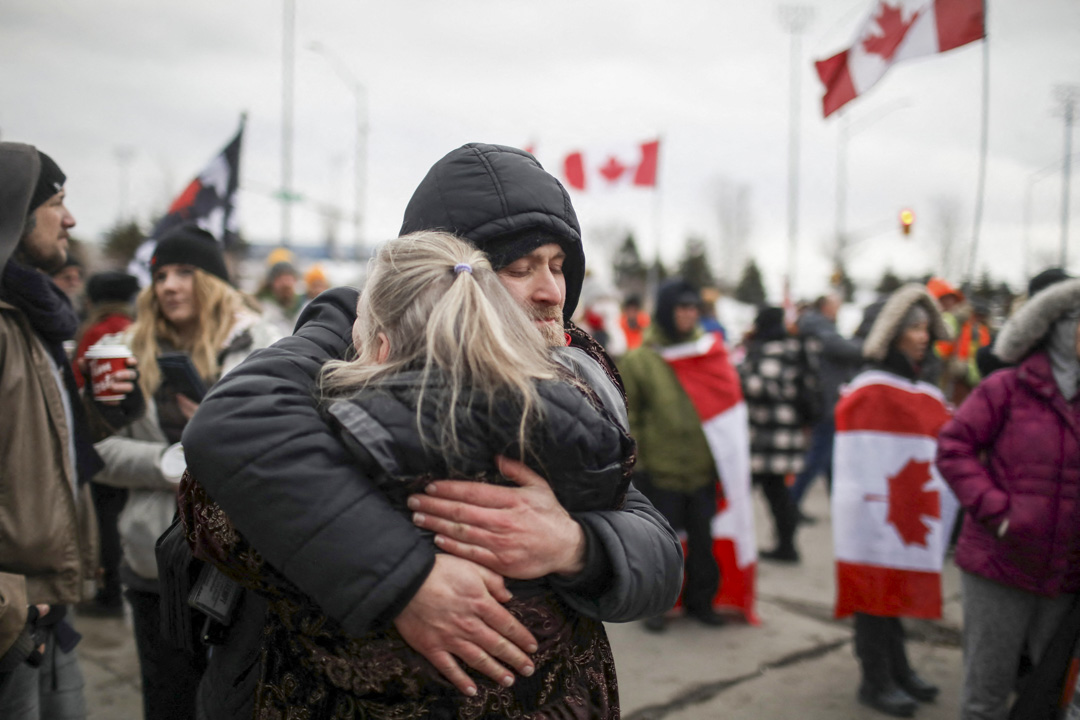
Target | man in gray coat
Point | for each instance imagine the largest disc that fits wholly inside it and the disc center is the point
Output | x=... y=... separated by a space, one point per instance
x=836 y=360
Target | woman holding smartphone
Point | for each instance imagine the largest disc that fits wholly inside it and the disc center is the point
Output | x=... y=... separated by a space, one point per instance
x=191 y=308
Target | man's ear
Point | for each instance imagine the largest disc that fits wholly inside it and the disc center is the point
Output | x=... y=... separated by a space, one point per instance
x=384 y=349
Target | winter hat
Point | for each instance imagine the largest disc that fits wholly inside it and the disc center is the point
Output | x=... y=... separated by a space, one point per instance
x=672 y=294
x=111 y=286
x=940 y=287
x=895 y=315
x=50 y=181
x=916 y=314
x=1029 y=325
x=769 y=324
x=501 y=200
x=282 y=268
x=315 y=274
x=1046 y=278
x=190 y=245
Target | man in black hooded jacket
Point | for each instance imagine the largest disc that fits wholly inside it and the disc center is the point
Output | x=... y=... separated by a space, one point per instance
x=261 y=450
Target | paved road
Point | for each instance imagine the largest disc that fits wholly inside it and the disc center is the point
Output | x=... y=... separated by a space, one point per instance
x=797 y=663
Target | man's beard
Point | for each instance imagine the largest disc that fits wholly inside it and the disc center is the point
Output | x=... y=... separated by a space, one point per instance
x=554 y=335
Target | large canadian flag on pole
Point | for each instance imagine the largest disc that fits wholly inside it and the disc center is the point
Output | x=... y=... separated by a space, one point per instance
x=711 y=382
x=891 y=510
x=627 y=165
x=897 y=30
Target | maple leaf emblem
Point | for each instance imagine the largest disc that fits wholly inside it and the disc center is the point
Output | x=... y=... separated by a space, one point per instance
x=909 y=503
x=612 y=169
x=890 y=21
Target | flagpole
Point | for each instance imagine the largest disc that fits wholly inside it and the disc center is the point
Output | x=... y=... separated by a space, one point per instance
x=794 y=19
x=653 y=279
x=980 y=192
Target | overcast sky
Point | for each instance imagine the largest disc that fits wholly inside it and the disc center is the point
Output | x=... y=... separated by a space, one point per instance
x=168 y=82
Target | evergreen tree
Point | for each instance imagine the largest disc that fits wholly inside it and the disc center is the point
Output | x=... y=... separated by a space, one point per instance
x=694 y=266
x=751 y=290
x=630 y=272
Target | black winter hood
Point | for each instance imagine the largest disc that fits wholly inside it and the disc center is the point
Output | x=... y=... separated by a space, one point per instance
x=502 y=201
x=672 y=293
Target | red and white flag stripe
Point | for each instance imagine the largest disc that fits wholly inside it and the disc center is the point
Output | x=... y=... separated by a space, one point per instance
x=711 y=382
x=897 y=30
x=612 y=166
x=891 y=510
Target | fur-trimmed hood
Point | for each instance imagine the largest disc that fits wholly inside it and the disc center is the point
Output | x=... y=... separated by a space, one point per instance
x=1025 y=330
x=887 y=325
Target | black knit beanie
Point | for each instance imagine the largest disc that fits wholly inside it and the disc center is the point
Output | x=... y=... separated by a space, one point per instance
x=111 y=286
x=50 y=181
x=190 y=245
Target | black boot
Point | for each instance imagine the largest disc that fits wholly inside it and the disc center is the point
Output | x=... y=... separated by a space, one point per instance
x=918 y=688
x=902 y=673
x=874 y=647
x=890 y=699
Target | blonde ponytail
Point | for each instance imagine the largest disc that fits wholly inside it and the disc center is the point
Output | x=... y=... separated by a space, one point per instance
x=442 y=308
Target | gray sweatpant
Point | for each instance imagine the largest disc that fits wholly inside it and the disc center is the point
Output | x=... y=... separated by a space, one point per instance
x=999 y=623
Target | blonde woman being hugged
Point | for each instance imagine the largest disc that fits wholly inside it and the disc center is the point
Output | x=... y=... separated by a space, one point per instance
x=189 y=308
x=450 y=374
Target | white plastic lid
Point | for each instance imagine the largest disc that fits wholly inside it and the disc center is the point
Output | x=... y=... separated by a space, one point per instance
x=173 y=463
x=108 y=351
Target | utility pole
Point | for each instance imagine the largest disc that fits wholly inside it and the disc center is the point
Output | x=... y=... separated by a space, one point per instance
x=1067 y=95
x=794 y=19
x=359 y=93
x=286 y=192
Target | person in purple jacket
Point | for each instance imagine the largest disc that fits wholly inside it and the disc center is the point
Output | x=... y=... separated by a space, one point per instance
x=1012 y=455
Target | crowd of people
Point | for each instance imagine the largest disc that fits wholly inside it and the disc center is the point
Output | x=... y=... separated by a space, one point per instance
x=425 y=498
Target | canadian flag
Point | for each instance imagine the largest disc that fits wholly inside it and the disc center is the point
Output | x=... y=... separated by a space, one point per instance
x=614 y=166
x=891 y=510
x=711 y=382
x=897 y=30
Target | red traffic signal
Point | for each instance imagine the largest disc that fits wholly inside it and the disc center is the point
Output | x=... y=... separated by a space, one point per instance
x=907 y=218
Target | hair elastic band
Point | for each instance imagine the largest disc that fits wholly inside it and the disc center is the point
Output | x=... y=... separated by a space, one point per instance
x=462 y=267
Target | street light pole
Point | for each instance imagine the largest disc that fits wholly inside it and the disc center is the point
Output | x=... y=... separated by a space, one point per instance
x=794 y=19
x=287 y=51
x=360 y=170
x=1067 y=95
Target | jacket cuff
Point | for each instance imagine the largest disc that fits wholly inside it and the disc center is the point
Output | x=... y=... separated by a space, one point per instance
x=594 y=580
x=383 y=620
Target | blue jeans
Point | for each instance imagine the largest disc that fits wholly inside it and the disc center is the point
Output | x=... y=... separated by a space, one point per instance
x=53 y=691
x=818 y=458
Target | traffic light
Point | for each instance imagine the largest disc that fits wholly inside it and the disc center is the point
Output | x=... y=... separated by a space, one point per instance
x=907 y=218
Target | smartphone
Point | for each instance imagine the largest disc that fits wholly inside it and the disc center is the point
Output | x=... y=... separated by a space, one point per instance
x=180 y=374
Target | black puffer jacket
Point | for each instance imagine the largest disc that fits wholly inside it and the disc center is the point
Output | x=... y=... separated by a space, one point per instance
x=260 y=448
x=577 y=445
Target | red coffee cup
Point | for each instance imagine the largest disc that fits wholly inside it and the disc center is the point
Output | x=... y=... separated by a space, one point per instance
x=104 y=360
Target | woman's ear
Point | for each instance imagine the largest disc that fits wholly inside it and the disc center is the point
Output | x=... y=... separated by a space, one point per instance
x=384 y=349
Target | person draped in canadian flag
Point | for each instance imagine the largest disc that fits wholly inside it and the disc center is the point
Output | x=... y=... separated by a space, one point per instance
x=891 y=509
x=687 y=414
